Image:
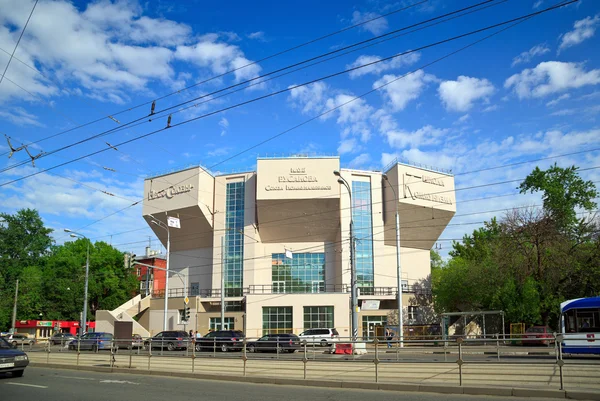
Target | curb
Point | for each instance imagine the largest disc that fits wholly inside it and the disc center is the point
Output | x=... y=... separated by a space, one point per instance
x=403 y=387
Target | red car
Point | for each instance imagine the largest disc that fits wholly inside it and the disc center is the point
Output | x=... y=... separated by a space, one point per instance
x=538 y=335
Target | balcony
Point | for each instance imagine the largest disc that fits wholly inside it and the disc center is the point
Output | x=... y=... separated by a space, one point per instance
x=278 y=289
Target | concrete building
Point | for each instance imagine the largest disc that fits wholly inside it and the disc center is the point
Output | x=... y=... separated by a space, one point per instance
x=286 y=243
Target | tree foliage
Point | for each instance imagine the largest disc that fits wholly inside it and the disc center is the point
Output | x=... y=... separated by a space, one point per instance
x=530 y=260
x=52 y=277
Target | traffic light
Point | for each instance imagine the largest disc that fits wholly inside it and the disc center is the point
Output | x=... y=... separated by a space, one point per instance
x=186 y=313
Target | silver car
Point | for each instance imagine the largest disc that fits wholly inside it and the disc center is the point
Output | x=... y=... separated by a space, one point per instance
x=19 y=339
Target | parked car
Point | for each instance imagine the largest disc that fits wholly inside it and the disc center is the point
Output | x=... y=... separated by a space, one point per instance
x=19 y=339
x=275 y=343
x=92 y=341
x=61 y=338
x=224 y=340
x=538 y=335
x=172 y=340
x=11 y=359
x=323 y=337
x=135 y=342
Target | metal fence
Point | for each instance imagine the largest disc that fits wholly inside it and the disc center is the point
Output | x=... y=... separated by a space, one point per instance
x=454 y=361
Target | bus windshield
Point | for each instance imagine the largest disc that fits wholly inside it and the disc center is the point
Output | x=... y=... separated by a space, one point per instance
x=585 y=320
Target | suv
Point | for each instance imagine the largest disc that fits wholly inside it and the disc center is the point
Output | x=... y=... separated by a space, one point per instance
x=61 y=338
x=172 y=340
x=275 y=343
x=19 y=339
x=224 y=340
x=324 y=337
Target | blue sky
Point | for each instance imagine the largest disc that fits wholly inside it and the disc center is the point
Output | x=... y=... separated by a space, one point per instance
x=528 y=93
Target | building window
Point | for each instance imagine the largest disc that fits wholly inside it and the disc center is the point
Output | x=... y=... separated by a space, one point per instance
x=404 y=285
x=363 y=232
x=303 y=273
x=195 y=289
x=215 y=323
x=318 y=317
x=413 y=313
x=234 y=306
x=277 y=319
x=234 y=239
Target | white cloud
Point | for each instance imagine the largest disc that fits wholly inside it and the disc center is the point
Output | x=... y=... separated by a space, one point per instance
x=551 y=77
x=387 y=158
x=224 y=123
x=19 y=116
x=460 y=95
x=108 y=49
x=538 y=4
x=399 y=91
x=463 y=119
x=582 y=30
x=427 y=135
x=260 y=35
x=360 y=161
x=436 y=159
x=309 y=98
x=590 y=111
x=382 y=66
x=349 y=145
x=556 y=141
x=558 y=99
x=527 y=56
x=376 y=27
x=219 y=152
x=492 y=107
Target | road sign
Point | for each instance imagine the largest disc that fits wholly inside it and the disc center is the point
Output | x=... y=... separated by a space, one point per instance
x=173 y=222
x=186 y=300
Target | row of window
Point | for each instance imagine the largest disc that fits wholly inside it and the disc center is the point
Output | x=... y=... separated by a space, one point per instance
x=234 y=239
x=279 y=319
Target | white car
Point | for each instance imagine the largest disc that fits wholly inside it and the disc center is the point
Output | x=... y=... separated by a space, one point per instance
x=323 y=337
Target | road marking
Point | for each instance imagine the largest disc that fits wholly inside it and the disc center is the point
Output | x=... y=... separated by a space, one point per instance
x=26 y=385
x=118 y=382
x=76 y=378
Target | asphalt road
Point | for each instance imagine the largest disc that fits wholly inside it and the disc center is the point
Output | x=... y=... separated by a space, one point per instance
x=58 y=385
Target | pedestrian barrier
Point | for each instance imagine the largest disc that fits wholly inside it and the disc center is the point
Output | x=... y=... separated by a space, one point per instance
x=452 y=362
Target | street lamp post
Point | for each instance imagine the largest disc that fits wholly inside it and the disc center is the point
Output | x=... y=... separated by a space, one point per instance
x=166 y=227
x=399 y=267
x=87 y=274
x=353 y=283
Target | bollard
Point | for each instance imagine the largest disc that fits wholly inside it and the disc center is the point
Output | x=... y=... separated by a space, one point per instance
x=446 y=352
x=460 y=360
x=214 y=347
x=498 y=347
x=305 y=359
x=149 y=354
x=194 y=357
x=376 y=360
x=244 y=355
x=48 y=353
x=130 y=355
x=560 y=361
x=78 y=351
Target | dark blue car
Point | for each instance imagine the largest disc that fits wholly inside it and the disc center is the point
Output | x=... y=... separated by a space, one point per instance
x=93 y=342
x=12 y=360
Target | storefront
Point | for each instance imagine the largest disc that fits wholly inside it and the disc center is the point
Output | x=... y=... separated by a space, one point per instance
x=42 y=329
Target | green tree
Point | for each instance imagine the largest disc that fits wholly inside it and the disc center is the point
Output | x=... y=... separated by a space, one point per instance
x=563 y=191
x=24 y=242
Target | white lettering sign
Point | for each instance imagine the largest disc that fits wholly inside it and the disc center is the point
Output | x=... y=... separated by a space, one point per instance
x=170 y=191
x=433 y=180
x=433 y=198
x=297 y=175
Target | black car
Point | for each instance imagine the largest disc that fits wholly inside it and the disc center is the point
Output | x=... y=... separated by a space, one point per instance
x=224 y=340
x=61 y=338
x=171 y=340
x=12 y=360
x=275 y=343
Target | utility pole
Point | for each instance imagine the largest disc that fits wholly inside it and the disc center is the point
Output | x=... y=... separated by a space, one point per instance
x=223 y=282
x=353 y=281
x=14 y=316
x=87 y=273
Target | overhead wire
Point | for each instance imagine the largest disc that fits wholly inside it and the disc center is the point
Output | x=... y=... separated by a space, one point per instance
x=19 y=40
x=110 y=116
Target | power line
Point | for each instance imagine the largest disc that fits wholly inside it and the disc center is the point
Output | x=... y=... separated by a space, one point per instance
x=227 y=72
x=18 y=41
x=522 y=18
x=519 y=20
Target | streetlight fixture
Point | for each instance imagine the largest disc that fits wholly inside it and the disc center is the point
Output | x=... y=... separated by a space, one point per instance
x=87 y=274
x=353 y=284
x=399 y=267
x=165 y=227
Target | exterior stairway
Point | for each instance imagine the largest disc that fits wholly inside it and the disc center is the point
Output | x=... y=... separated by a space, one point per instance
x=105 y=319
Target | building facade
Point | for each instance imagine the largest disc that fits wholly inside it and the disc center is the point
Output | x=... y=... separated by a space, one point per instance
x=152 y=281
x=280 y=236
x=43 y=329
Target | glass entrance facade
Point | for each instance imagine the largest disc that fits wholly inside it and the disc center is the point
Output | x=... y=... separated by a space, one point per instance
x=303 y=273
x=234 y=239
x=363 y=232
